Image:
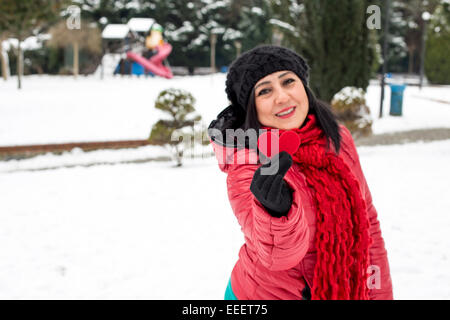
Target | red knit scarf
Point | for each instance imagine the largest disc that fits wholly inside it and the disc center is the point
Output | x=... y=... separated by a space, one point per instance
x=342 y=237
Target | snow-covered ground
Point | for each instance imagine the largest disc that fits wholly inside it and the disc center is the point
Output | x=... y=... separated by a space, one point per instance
x=63 y=109
x=422 y=109
x=152 y=231
x=53 y=109
x=86 y=225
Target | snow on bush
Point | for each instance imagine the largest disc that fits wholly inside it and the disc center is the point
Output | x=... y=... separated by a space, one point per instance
x=350 y=106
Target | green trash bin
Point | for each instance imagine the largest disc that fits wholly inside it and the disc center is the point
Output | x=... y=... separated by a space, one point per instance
x=396 y=99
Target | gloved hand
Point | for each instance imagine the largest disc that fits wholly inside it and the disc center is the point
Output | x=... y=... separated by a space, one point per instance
x=271 y=189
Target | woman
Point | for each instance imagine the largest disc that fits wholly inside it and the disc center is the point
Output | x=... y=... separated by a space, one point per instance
x=310 y=228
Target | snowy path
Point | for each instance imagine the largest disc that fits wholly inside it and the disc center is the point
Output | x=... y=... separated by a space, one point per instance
x=150 y=231
x=401 y=137
x=53 y=109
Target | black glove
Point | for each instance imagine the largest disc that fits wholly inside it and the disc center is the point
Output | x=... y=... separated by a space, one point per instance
x=271 y=189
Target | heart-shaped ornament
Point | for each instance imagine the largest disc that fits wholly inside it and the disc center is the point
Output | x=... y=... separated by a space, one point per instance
x=289 y=142
x=270 y=144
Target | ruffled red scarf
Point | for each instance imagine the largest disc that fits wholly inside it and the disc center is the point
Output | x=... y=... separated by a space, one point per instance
x=342 y=237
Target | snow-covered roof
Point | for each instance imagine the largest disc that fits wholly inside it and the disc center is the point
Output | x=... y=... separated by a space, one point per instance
x=115 y=31
x=140 y=24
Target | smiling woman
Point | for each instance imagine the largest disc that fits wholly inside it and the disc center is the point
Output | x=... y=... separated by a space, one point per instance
x=281 y=100
x=311 y=230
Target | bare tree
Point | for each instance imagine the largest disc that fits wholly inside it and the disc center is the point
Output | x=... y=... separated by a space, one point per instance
x=23 y=18
x=411 y=11
x=4 y=65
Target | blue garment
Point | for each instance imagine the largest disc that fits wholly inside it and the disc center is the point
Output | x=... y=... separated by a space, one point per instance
x=229 y=295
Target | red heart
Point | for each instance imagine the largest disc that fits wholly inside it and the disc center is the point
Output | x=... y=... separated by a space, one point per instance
x=270 y=144
x=289 y=142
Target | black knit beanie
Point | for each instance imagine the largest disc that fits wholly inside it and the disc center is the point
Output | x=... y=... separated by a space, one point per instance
x=257 y=63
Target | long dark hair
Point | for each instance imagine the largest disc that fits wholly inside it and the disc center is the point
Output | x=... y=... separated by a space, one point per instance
x=326 y=119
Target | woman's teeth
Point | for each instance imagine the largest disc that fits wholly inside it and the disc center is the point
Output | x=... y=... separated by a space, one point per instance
x=285 y=112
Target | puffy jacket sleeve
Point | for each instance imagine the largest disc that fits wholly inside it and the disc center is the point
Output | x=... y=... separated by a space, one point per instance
x=380 y=278
x=280 y=243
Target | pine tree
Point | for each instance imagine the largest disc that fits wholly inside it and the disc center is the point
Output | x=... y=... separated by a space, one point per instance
x=189 y=25
x=253 y=24
x=180 y=20
x=334 y=39
x=179 y=106
x=437 y=61
x=337 y=44
x=115 y=11
x=406 y=28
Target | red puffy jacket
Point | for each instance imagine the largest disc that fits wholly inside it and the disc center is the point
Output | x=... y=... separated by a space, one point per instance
x=278 y=257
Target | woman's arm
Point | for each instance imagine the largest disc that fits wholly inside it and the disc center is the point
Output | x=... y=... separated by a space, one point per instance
x=280 y=243
x=380 y=280
x=380 y=283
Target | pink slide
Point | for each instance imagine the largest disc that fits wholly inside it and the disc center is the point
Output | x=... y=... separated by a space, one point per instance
x=154 y=64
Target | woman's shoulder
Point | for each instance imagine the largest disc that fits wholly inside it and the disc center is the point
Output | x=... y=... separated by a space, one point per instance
x=345 y=133
x=347 y=147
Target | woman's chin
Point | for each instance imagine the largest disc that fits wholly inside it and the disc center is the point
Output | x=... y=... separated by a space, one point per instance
x=289 y=125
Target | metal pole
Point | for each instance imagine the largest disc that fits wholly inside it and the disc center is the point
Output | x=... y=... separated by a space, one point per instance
x=385 y=48
x=213 y=41
x=425 y=17
x=102 y=67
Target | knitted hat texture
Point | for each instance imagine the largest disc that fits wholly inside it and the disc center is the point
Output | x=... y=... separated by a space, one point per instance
x=257 y=63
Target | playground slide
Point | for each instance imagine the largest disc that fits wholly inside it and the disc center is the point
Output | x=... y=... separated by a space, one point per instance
x=154 y=64
x=163 y=51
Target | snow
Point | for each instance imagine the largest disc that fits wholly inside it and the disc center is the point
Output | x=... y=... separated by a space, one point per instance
x=109 y=62
x=64 y=109
x=110 y=224
x=258 y=11
x=349 y=94
x=152 y=231
x=140 y=24
x=115 y=31
x=282 y=24
x=130 y=240
x=77 y=157
x=421 y=110
x=213 y=6
x=135 y=4
x=410 y=185
x=232 y=34
x=30 y=43
x=178 y=33
x=122 y=108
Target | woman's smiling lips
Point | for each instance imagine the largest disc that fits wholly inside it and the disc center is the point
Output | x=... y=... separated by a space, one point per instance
x=286 y=113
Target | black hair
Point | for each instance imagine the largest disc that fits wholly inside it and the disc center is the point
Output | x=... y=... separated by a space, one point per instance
x=251 y=118
x=326 y=119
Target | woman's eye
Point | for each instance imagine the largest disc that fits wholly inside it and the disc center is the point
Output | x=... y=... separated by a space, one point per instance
x=288 y=81
x=263 y=91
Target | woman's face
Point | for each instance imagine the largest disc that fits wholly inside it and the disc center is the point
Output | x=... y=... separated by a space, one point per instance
x=281 y=100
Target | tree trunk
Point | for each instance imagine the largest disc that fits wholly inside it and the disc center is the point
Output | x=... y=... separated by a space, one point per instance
x=3 y=61
x=19 y=64
x=178 y=156
x=75 y=58
x=213 y=40
x=411 y=61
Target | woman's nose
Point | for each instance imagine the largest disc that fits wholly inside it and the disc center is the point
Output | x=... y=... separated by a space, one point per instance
x=281 y=96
